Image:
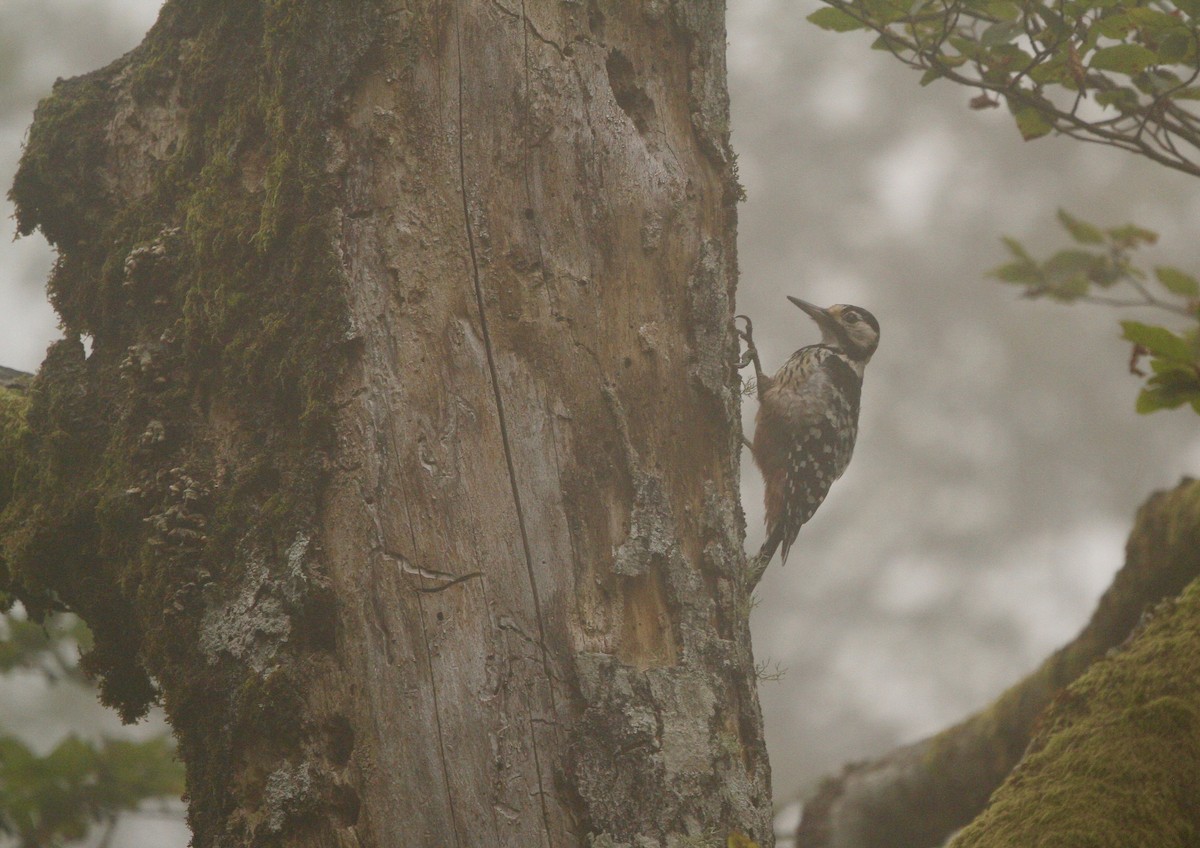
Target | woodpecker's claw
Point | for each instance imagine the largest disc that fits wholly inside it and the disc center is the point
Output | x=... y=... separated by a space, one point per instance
x=747 y=336
x=748 y=332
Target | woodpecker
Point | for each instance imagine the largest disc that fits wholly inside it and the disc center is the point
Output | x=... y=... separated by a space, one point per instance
x=808 y=418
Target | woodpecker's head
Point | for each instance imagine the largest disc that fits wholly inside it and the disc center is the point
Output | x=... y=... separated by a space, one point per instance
x=851 y=329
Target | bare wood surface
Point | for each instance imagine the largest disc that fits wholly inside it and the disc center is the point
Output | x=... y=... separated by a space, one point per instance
x=543 y=258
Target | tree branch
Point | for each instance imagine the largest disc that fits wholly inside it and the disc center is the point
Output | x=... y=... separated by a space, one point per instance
x=916 y=795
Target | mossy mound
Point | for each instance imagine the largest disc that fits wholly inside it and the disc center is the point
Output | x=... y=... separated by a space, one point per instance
x=1116 y=761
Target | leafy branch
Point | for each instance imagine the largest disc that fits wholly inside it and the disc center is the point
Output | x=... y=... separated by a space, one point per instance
x=1122 y=73
x=1100 y=269
x=49 y=799
x=51 y=647
x=57 y=797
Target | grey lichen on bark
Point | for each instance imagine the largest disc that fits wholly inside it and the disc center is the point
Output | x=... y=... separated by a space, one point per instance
x=403 y=467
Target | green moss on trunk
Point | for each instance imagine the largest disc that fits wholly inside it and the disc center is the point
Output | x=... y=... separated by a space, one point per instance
x=1116 y=761
x=189 y=192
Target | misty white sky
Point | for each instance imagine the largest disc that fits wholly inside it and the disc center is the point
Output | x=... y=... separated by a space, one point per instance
x=999 y=458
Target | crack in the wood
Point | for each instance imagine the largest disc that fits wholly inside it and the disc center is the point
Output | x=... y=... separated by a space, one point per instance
x=437 y=710
x=445 y=579
x=493 y=372
x=562 y=52
x=437 y=719
x=526 y=26
x=430 y=590
x=380 y=622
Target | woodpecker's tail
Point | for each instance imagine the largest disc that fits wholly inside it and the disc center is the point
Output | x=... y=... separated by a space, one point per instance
x=769 y=547
x=758 y=565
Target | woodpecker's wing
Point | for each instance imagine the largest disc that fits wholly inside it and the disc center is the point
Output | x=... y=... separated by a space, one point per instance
x=814 y=461
x=804 y=437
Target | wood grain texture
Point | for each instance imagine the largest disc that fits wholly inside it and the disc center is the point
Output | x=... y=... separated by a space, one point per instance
x=540 y=249
x=411 y=412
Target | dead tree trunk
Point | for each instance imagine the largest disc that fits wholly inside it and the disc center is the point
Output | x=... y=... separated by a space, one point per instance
x=404 y=466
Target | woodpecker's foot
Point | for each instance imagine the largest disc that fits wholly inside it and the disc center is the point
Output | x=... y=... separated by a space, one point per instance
x=747 y=335
x=750 y=357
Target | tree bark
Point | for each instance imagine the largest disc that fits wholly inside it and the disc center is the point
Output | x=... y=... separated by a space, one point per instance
x=404 y=467
x=917 y=795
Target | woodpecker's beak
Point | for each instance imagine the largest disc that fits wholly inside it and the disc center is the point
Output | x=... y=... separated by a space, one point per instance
x=821 y=316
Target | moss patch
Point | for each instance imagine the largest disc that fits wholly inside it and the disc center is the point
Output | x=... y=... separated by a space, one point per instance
x=14 y=405
x=1117 y=759
x=188 y=192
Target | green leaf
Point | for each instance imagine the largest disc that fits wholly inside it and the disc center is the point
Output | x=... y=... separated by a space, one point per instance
x=1067 y=264
x=1156 y=81
x=1031 y=122
x=1153 y=399
x=1130 y=235
x=835 y=20
x=929 y=76
x=1003 y=10
x=1022 y=272
x=1144 y=16
x=1124 y=99
x=1005 y=57
x=880 y=12
x=1158 y=340
x=1124 y=59
x=1177 y=281
x=1001 y=33
x=1113 y=26
x=1081 y=231
x=1054 y=70
x=1169 y=388
x=1176 y=46
x=59 y=796
x=1016 y=248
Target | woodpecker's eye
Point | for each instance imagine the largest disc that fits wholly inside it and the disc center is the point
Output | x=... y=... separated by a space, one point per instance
x=851 y=318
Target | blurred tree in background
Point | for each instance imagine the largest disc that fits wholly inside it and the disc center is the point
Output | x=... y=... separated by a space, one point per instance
x=46 y=800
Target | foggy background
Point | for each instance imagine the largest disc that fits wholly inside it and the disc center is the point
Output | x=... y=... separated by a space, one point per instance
x=999 y=460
